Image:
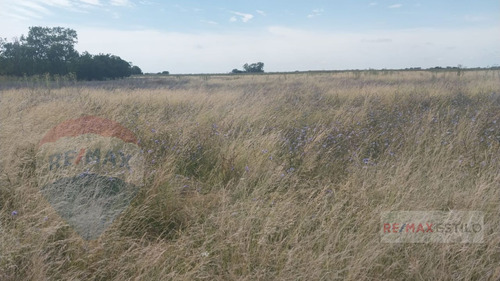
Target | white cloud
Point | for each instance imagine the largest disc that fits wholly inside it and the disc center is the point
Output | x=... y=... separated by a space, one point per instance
x=243 y=17
x=26 y=10
x=373 y=4
x=58 y=3
x=34 y=6
x=315 y=13
x=32 y=10
x=209 y=22
x=92 y=2
x=395 y=6
x=122 y=3
x=233 y=19
x=260 y=12
x=26 y=13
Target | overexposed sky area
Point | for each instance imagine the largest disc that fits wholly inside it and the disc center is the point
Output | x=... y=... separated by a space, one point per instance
x=217 y=36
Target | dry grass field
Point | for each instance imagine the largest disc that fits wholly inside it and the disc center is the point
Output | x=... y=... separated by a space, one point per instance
x=264 y=177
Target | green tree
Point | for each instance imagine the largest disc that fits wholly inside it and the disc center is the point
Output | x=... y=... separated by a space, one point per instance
x=52 y=49
x=136 y=70
x=254 y=67
x=15 y=59
x=101 y=67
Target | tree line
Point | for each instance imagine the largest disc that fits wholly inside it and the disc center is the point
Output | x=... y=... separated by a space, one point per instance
x=52 y=50
x=257 y=67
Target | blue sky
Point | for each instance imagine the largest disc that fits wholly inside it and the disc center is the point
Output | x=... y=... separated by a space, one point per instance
x=217 y=36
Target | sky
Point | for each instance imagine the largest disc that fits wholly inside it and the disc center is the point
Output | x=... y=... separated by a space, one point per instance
x=195 y=36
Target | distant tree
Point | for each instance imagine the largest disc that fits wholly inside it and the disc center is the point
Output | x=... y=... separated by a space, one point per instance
x=3 y=60
x=84 y=67
x=254 y=67
x=136 y=70
x=236 y=71
x=16 y=59
x=460 y=69
x=165 y=72
x=51 y=49
x=101 y=67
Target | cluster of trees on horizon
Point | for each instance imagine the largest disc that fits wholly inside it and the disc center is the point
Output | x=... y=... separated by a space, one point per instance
x=52 y=50
x=257 y=67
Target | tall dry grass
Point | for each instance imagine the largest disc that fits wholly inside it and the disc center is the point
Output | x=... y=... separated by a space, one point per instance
x=266 y=177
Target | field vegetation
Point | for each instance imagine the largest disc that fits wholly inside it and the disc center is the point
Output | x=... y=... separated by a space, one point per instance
x=264 y=177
